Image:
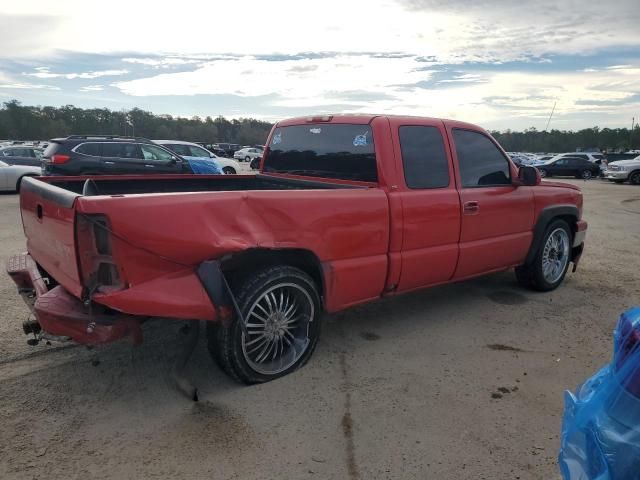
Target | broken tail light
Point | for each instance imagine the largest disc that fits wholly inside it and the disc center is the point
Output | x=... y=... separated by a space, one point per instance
x=98 y=269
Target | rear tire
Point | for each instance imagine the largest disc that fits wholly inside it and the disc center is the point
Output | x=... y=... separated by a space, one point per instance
x=551 y=262
x=586 y=174
x=281 y=307
x=543 y=173
x=229 y=171
x=247 y=159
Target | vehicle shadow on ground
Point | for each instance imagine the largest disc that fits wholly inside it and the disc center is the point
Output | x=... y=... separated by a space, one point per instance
x=110 y=370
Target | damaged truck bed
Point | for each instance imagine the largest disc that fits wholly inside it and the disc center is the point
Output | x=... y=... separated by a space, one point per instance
x=346 y=209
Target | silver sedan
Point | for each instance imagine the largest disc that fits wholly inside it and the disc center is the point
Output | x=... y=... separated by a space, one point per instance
x=12 y=175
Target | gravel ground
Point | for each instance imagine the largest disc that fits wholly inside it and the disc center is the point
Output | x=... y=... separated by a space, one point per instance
x=403 y=388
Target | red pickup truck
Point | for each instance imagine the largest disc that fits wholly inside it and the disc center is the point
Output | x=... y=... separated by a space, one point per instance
x=346 y=209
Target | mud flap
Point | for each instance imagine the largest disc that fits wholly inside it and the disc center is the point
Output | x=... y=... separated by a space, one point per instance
x=215 y=284
x=576 y=254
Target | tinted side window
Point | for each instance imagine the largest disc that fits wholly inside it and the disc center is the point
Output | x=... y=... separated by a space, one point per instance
x=7 y=153
x=121 y=150
x=92 y=149
x=179 y=148
x=198 y=151
x=156 y=154
x=481 y=163
x=423 y=157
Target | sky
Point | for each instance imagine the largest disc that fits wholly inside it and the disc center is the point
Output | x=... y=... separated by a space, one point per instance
x=501 y=64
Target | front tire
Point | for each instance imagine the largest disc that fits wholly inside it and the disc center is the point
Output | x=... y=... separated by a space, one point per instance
x=586 y=174
x=549 y=267
x=281 y=309
x=634 y=178
x=544 y=173
x=247 y=159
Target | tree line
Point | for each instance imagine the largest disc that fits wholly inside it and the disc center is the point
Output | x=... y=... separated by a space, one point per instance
x=21 y=122
x=604 y=139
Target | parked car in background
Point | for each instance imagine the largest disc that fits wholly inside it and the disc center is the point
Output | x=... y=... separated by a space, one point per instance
x=228 y=148
x=191 y=150
x=593 y=157
x=247 y=154
x=212 y=147
x=624 y=170
x=109 y=155
x=569 y=167
x=21 y=155
x=11 y=175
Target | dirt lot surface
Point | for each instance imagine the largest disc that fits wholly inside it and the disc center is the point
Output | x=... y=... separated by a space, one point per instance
x=402 y=388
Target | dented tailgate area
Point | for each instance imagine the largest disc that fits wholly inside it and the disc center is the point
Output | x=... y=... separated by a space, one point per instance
x=137 y=256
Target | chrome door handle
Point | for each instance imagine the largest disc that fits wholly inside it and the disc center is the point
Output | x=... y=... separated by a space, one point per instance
x=109 y=163
x=470 y=208
x=150 y=166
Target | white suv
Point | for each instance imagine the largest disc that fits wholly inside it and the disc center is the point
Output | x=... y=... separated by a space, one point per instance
x=247 y=154
x=623 y=170
x=193 y=150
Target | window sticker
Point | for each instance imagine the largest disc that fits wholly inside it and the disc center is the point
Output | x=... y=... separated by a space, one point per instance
x=360 y=140
x=277 y=138
x=315 y=130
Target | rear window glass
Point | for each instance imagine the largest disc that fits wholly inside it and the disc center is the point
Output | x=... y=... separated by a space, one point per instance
x=340 y=151
x=51 y=149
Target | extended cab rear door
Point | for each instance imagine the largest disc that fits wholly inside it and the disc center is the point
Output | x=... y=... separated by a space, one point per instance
x=497 y=215
x=430 y=202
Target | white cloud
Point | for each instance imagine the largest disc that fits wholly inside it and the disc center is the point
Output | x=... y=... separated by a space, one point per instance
x=43 y=72
x=365 y=83
x=9 y=83
x=294 y=79
x=92 y=88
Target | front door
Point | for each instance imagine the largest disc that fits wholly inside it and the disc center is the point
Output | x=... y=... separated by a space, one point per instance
x=120 y=158
x=497 y=215
x=159 y=160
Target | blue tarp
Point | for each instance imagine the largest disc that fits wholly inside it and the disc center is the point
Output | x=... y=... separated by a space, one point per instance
x=601 y=425
x=202 y=166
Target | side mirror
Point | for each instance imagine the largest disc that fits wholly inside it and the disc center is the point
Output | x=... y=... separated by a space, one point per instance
x=528 y=176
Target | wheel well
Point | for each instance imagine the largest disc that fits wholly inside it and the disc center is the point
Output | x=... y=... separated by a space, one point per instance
x=568 y=213
x=238 y=266
x=571 y=220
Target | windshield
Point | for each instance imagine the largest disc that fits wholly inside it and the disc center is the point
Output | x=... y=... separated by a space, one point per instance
x=340 y=151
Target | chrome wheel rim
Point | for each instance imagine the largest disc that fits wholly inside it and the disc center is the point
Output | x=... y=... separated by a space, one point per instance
x=277 y=328
x=555 y=255
x=586 y=174
x=543 y=173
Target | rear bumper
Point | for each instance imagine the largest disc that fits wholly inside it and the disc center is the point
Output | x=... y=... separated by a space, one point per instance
x=580 y=234
x=578 y=243
x=61 y=314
